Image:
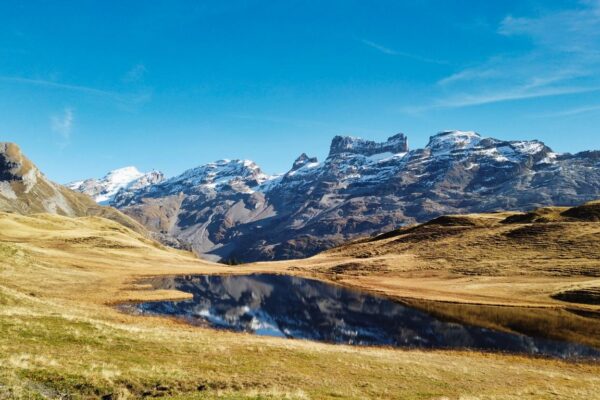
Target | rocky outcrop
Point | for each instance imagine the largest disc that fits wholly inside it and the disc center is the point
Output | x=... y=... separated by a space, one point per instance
x=25 y=190
x=346 y=144
x=303 y=160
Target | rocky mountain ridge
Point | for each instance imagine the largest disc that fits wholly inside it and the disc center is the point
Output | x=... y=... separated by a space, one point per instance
x=231 y=210
x=24 y=189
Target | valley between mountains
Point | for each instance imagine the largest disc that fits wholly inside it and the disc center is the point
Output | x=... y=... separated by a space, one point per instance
x=66 y=263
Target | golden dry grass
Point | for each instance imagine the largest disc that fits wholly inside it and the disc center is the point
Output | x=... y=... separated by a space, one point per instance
x=495 y=259
x=59 y=336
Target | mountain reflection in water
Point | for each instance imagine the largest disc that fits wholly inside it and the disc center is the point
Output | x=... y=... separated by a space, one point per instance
x=293 y=307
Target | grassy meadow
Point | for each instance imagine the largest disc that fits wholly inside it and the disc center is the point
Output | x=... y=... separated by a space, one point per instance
x=62 y=337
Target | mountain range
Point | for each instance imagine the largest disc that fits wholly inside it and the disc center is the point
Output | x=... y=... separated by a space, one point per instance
x=231 y=211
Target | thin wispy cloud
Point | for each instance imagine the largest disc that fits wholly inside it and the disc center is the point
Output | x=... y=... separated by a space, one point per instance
x=62 y=125
x=517 y=93
x=497 y=96
x=572 y=111
x=392 y=52
x=564 y=58
x=479 y=72
x=574 y=30
x=57 y=85
x=123 y=99
x=378 y=47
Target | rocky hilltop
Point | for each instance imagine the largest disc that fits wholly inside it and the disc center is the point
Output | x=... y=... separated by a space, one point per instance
x=26 y=190
x=230 y=210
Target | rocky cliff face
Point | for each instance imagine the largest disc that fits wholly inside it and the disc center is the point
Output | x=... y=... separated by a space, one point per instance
x=346 y=144
x=25 y=190
x=231 y=210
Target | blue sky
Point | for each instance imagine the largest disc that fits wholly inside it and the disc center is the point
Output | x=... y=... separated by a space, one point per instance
x=90 y=86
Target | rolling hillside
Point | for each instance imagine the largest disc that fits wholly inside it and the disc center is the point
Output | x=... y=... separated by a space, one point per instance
x=61 y=335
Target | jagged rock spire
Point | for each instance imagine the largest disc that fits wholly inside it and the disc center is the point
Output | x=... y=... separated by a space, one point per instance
x=302 y=160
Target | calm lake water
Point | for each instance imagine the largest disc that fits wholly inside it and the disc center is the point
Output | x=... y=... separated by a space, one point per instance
x=293 y=307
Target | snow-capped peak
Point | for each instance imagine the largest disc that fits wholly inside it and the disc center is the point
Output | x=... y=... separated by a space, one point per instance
x=103 y=190
x=447 y=141
x=529 y=147
x=125 y=174
x=242 y=175
x=221 y=169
